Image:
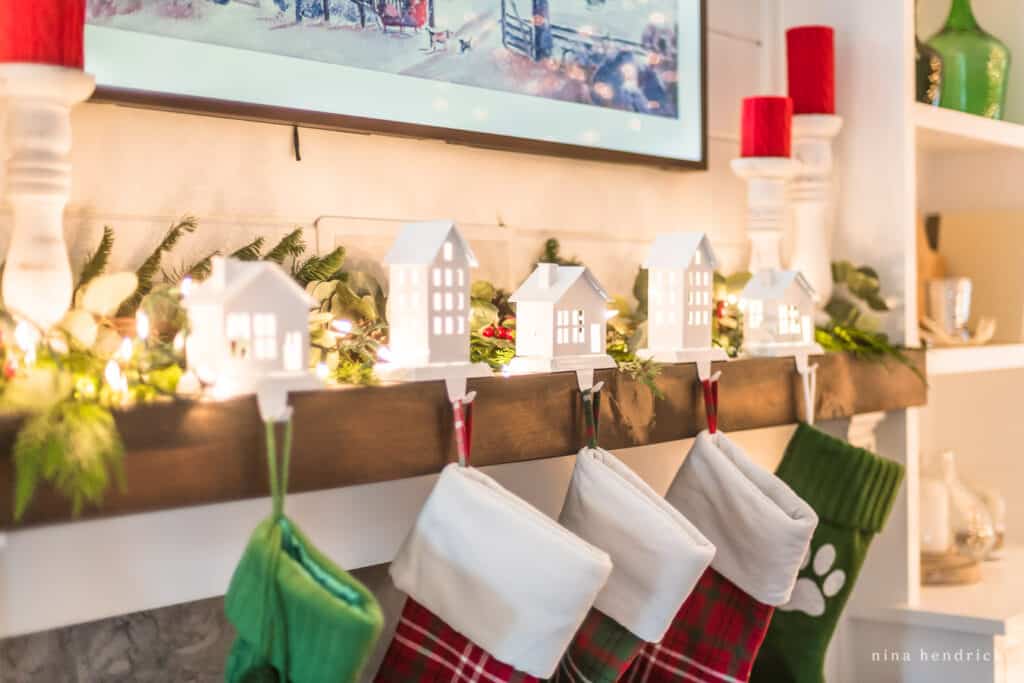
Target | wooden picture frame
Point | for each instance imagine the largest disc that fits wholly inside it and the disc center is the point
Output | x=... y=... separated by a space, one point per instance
x=175 y=74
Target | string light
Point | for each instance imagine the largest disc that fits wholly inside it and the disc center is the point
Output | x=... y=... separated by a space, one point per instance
x=322 y=371
x=27 y=339
x=179 y=342
x=384 y=354
x=112 y=375
x=342 y=326
x=142 y=325
x=125 y=351
x=186 y=287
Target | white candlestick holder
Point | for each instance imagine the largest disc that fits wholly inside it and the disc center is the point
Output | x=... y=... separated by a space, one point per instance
x=37 y=282
x=810 y=193
x=766 y=205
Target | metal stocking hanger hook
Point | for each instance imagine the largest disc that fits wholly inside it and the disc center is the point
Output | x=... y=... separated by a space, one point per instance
x=591 y=394
x=809 y=379
x=710 y=389
x=462 y=415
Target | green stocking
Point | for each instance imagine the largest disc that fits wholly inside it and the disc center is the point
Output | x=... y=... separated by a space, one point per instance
x=300 y=618
x=852 y=490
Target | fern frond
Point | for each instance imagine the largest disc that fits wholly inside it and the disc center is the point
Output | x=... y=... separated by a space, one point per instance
x=198 y=271
x=316 y=268
x=291 y=244
x=250 y=252
x=96 y=263
x=151 y=266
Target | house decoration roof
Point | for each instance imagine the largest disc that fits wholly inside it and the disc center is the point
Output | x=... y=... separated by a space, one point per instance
x=773 y=284
x=418 y=243
x=677 y=249
x=565 y=277
x=231 y=277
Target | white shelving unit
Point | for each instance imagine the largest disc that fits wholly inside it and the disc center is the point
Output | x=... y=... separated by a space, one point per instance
x=945 y=130
x=970 y=359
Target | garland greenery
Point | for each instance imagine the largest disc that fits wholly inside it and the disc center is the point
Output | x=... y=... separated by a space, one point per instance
x=67 y=383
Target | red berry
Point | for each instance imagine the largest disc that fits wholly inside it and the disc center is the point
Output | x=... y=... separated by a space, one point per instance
x=505 y=333
x=488 y=331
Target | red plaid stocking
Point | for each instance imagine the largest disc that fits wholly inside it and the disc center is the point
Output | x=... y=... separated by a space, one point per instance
x=427 y=649
x=761 y=531
x=653 y=572
x=496 y=588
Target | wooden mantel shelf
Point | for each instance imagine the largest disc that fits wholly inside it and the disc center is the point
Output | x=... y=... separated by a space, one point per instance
x=194 y=453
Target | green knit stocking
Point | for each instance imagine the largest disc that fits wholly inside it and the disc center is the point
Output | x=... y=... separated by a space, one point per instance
x=852 y=490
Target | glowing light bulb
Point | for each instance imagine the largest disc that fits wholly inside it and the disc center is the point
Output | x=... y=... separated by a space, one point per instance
x=124 y=352
x=384 y=354
x=342 y=326
x=142 y=325
x=322 y=371
x=112 y=375
x=608 y=315
x=731 y=299
x=179 y=342
x=506 y=371
x=27 y=339
x=186 y=287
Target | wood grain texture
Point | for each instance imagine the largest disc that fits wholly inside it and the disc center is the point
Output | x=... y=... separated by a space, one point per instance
x=189 y=453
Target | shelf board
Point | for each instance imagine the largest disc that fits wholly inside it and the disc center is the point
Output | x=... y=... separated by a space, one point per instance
x=945 y=130
x=970 y=359
x=195 y=453
x=995 y=606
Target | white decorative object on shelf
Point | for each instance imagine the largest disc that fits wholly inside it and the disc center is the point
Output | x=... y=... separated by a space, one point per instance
x=428 y=307
x=778 y=314
x=249 y=329
x=560 y=321
x=778 y=320
x=810 y=192
x=38 y=97
x=766 y=205
x=680 y=279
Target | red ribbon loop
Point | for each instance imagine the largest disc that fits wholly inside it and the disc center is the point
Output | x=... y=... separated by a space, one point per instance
x=711 y=403
x=463 y=413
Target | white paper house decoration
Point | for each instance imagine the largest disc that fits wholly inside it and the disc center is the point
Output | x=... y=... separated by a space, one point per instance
x=680 y=302
x=778 y=314
x=249 y=324
x=428 y=304
x=560 y=321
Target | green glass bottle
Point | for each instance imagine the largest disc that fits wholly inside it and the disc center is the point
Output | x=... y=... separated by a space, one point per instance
x=975 y=64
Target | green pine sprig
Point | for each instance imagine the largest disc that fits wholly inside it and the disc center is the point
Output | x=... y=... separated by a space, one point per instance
x=319 y=268
x=151 y=266
x=96 y=263
x=250 y=252
x=291 y=245
x=75 y=446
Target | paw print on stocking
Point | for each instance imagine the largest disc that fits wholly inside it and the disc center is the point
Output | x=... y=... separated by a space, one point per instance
x=811 y=592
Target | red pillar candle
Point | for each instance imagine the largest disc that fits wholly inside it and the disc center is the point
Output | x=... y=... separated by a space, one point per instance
x=42 y=32
x=767 y=126
x=811 y=57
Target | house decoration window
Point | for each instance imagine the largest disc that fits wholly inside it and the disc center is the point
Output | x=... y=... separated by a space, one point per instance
x=789 y=320
x=239 y=334
x=448 y=251
x=579 y=330
x=562 y=335
x=755 y=313
x=264 y=328
x=292 y=351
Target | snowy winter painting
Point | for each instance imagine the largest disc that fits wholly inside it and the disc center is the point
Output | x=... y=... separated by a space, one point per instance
x=621 y=75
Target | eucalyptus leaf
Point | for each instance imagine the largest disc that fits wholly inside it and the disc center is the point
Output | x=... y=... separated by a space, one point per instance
x=81 y=327
x=481 y=314
x=105 y=293
x=841 y=271
x=481 y=289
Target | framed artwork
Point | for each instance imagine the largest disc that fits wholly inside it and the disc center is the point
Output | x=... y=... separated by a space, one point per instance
x=604 y=79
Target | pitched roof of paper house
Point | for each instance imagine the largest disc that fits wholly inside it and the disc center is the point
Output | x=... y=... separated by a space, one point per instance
x=231 y=277
x=677 y=249
x=418 y=243
x=773 y=284
x=538 y=287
